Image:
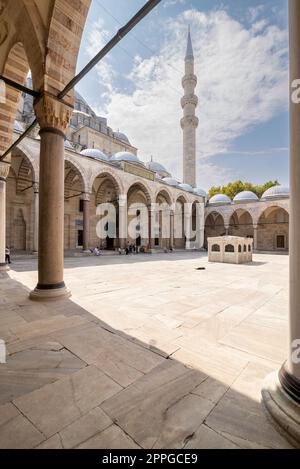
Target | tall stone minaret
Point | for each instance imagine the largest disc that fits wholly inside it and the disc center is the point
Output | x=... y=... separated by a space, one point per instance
x=189 y=122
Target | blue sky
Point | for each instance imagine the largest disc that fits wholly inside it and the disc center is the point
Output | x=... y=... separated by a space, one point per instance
x=241 y=62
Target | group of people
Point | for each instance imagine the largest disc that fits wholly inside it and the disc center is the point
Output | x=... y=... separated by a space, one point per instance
x=131 y=249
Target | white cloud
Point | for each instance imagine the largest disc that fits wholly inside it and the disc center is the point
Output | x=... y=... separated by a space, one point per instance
x=242 y=82
x=97 y=39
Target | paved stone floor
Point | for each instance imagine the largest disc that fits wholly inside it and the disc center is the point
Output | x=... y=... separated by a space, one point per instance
x=149 y=352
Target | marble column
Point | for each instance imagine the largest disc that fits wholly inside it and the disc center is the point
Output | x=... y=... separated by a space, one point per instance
x=53 y=117
x=153 y=225
x=172 y=229
x=281 y=390
x=86 y=221
x=36 y=217
x=4 y=170
x=188 y=210
x=123 y=221
x=255 y=228
x=226 y=230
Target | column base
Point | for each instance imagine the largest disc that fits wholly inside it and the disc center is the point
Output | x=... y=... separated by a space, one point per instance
x=50 y=294
x=4 y=267
x=282 y=410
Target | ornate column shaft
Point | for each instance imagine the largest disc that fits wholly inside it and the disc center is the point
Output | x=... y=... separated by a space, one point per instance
x=4 y=170
x=53 y=117
x=281 y=391
x=86 y=221
x=36 y=217
x=188 y=211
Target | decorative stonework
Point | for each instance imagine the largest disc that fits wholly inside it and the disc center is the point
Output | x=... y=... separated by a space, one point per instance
x=4 y=170
x=52 y=113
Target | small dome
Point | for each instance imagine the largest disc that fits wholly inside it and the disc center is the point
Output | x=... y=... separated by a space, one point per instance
x=158 y=168
x=276 y=192
x=200 y=192
x=122 y=137
x=171 y=181
x=126 y=156
x=186 y=187
x=158 y=176
x=245 y=196
x=219 y=199
x=68 y=144
x=93 y=153
x=18 y=126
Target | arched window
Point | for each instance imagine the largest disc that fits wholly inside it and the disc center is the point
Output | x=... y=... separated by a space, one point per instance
x=249 y=248
x=240 y=248
x=229 y=248
x=215 y=248
x=245 y=248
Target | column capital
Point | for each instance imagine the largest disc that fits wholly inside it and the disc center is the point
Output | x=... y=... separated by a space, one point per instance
x=4 y=170
x=86 y=196
x=52 y=113
x=122 y=200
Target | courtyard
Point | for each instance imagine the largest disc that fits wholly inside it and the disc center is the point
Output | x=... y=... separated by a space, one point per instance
x=151 y=351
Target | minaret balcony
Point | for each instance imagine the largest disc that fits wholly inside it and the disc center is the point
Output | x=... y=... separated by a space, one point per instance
x=190 y=79
x=191 y=99
x=189 y=122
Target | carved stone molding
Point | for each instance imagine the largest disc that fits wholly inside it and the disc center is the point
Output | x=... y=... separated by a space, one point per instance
x=52 y=113
x=4 y=170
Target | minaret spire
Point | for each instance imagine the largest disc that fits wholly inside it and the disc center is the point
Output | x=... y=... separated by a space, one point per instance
x=189 y=122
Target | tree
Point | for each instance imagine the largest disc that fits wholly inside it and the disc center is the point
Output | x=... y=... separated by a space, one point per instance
x=234 y=188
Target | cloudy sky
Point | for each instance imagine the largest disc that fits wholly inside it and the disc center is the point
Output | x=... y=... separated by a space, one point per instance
x=240 y=49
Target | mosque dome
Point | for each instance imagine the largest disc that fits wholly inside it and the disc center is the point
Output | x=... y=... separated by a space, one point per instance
x=158 y=168
x=121 y=136
x=171 y=181
x=219 y=199
x=276 y=192
x=18 y=126
x=93 y=153
x=245 y=196
x=201 y=192
x=186 y=187
x=126 y=156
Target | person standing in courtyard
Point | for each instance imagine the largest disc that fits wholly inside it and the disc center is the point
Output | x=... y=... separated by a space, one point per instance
x=7 y=255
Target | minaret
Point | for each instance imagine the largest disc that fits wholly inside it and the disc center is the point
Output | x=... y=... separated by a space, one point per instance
x=189 y=122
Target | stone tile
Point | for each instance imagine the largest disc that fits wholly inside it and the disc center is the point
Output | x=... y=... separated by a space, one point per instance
x=52 y=443
x=211 y=389
x=260 y=341
x=56 y=405
x=239 y=415
x=84 y=428
x=46 y=326
x=150 y=398
x=16 y=431
x=32 y=369
x=116 y=356
x=220 y=363
x=206 y=438
x=111 y=438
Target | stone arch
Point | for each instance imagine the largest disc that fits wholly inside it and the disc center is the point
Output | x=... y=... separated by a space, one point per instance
x=273 y=229
x=16 y=68
x=165 y=193
x=241 y=223
x=109 y=173
x=80 y=170
x=63 y=42
x=214 y=225
x=179 y=221
x=142 y=188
